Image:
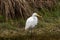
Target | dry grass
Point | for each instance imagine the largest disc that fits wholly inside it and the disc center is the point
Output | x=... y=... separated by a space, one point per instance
x=12 y=9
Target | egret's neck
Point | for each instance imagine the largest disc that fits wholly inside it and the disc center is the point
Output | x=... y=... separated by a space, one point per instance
x=34 y=16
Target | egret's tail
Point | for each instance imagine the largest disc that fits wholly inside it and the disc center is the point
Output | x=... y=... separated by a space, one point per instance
x=26 y=28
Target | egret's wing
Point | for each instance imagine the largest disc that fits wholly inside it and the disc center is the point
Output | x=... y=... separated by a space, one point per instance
x=28 y=23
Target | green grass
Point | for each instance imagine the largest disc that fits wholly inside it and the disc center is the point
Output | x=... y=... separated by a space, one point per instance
x=47 y=29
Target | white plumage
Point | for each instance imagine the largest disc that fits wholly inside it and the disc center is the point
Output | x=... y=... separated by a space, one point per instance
x=31 y=21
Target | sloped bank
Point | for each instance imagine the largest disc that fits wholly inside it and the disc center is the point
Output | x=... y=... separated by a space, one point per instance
x=22 y=35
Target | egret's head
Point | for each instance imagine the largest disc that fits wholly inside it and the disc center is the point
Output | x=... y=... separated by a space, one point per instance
x=35 y=14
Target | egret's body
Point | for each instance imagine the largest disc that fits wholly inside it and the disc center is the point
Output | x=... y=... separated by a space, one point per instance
x=31 y=22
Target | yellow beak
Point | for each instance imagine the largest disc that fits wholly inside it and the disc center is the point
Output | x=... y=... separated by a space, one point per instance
x=39 y=15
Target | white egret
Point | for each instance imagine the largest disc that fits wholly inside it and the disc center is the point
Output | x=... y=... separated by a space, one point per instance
x=31 y=22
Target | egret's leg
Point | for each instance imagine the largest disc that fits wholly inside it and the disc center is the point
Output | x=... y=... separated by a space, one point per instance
x=31 y=31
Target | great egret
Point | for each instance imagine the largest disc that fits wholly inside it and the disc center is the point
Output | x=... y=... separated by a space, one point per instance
x=32 y=22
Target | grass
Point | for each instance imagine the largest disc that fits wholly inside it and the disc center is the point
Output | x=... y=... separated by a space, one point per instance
x=47 y=29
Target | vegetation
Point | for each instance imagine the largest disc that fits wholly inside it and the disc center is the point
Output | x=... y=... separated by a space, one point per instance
x=13 y=14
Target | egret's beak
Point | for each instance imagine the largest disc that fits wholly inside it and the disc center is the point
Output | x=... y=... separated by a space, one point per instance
x=39 y=15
